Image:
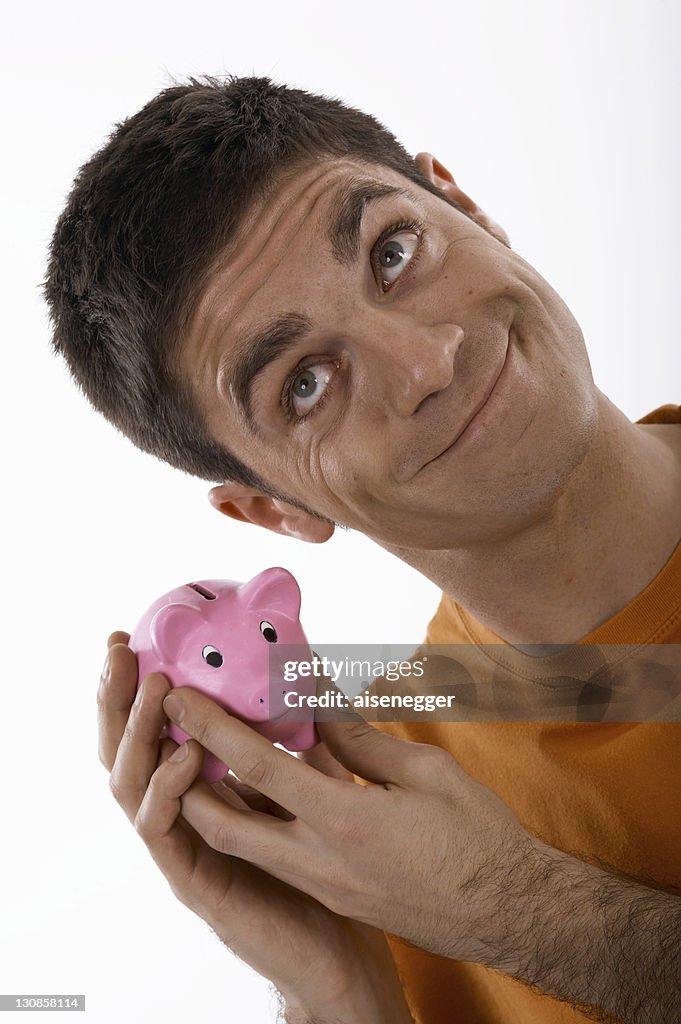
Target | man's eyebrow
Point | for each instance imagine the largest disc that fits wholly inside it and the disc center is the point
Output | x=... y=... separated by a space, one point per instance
x=266 y=344
x=346 y=212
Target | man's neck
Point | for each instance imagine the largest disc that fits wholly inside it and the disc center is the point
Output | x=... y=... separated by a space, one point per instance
x=606 y=537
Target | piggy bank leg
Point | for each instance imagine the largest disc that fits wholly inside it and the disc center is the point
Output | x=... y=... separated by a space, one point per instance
x=213 y=768
x=303 y=737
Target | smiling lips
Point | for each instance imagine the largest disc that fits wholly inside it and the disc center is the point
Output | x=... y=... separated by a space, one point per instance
x=478 y=408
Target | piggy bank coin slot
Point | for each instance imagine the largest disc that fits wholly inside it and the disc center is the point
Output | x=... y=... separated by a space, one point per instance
x=202 y=591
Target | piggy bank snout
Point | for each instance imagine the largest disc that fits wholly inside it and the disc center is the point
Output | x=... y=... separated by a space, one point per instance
x=240 y=681
x=258 y=697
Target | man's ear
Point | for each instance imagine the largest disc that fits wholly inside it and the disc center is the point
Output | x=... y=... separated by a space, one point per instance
x=438 y=175
x=252 y=506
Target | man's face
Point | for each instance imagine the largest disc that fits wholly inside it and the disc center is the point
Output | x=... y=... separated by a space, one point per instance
x=362 y=333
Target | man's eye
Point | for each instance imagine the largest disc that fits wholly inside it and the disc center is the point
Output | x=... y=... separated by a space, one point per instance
x=394 y=253
x=307 y=388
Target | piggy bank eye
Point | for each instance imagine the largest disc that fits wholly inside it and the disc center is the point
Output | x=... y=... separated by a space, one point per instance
x=268 y=631
x=212 y=656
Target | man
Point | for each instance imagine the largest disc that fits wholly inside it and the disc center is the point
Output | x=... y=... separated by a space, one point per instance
x=262 y=288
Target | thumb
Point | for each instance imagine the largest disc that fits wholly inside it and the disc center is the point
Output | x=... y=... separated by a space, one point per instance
x=365 y=751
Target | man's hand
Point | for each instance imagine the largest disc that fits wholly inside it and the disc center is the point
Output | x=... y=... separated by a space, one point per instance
x=426 y=852
x=325 y=966
x=429 y=854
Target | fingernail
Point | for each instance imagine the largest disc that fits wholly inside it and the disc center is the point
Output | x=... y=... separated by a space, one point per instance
x=180 y=753
x=106 y=671
x=173 y=707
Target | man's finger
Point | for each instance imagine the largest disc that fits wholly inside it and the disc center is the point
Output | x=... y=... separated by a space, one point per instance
x=138 y=752
x=252 y=758
x=119 y=636
x=160 y=806
x=262 y=839
x=249 y=798
x=321 y=758
x=115 y=695
x=186 y=861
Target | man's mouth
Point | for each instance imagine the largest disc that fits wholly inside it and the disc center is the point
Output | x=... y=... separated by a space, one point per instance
x=489 y=391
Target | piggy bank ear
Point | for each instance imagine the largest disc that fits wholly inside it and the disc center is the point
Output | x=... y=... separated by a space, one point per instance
x=170 y=627
x=273 y=590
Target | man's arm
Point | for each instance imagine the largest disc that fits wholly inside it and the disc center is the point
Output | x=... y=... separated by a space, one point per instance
x=463 y=880
x=329 y=969
x=606 y=945
x=596 y=940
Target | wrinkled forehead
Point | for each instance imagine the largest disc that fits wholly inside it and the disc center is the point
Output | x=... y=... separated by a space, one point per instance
x=302 y=191
x=301 y=198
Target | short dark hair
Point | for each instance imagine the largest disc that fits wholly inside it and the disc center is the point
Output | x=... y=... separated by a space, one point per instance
x=144 y=222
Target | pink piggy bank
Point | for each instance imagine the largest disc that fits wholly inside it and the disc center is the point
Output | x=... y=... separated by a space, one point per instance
x=222 y=638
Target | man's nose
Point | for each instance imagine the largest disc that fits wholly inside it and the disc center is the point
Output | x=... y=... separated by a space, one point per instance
x=410 y=364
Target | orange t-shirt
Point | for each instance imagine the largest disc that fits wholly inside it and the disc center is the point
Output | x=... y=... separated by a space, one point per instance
x=612 y=790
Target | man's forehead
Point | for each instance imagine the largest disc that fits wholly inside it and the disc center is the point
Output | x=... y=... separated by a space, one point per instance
x=329 y=193
x=299 y=197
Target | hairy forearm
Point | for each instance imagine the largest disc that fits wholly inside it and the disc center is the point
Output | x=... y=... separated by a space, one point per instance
x=362 y=1005
x=356 y=1012
x=593 y=939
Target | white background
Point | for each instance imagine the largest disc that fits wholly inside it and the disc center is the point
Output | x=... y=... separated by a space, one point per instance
x=559 y=118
